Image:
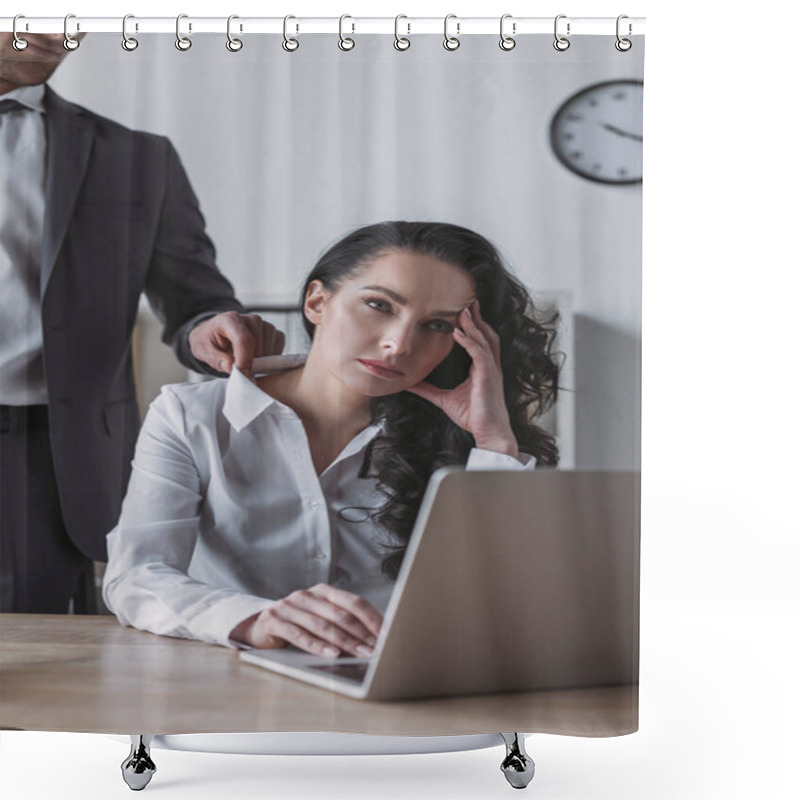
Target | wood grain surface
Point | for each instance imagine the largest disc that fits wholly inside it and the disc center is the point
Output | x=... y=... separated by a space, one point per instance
x=90 y=674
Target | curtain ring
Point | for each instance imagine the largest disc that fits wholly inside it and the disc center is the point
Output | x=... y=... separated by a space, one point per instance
x=128 y=42
x=183 y=43
x=69 y=43
x=561 y=43
x=451 y=42
x=289 y=44
x=233 y=44
x=623 y=45
x=345 y=42
x=507 y=42
x=19 y=43
x=400 y=42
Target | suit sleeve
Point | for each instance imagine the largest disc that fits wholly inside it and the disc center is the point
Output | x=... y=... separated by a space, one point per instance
x=184 y=285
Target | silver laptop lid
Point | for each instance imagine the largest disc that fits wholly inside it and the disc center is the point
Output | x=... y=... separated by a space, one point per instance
x=515 y=581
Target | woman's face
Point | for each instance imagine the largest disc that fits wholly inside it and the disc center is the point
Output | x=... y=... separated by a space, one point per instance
x=390 y=322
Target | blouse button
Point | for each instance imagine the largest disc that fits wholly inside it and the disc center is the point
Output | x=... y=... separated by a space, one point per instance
x=313 y=505
x=318 y=555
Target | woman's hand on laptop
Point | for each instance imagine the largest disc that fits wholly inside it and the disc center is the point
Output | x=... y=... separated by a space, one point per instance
x=321 y=620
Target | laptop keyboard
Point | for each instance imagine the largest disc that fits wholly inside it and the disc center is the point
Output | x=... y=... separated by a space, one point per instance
x=351 y=672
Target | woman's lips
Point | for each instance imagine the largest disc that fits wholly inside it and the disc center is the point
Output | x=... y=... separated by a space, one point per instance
x=380 y=369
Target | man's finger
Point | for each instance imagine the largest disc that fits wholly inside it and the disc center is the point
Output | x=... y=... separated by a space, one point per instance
x=243 y=352
x=279 y=342
x=235 y=337
x=270 y=340
x=265 y=336
x=230 y=339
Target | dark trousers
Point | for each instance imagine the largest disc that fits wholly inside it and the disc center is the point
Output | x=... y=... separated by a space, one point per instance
x=41 y=571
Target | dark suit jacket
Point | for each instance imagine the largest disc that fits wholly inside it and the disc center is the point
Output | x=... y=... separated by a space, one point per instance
x=121 y=219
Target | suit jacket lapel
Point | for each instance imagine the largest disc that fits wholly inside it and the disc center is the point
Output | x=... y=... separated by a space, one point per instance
x=69 y=142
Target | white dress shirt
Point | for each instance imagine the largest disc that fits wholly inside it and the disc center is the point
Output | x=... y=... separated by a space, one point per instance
x=22 y=209
x=225 y=514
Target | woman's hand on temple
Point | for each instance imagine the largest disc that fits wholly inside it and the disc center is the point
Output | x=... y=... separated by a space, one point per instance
x=478 y=404
x=320 y=620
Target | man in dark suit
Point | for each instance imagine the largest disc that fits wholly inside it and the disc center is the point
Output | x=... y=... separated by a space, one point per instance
x=93 y=214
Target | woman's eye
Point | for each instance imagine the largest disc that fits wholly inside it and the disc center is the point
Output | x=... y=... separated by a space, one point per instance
x=441 y=326
x=378 y=304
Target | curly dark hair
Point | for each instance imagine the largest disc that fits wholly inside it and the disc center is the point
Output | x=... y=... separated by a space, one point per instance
x=418 y=437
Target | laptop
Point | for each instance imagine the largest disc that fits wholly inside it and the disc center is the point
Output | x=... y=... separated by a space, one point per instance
x=512 y=581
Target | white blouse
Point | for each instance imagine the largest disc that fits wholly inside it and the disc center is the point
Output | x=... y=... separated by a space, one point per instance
x=225 y=514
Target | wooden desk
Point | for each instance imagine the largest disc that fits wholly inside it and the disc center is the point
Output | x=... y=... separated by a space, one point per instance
x=89 y=674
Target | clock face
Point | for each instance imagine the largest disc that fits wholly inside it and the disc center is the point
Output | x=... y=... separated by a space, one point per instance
x=597 y=132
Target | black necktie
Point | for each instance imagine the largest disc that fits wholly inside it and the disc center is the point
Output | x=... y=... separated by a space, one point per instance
x=9 y=104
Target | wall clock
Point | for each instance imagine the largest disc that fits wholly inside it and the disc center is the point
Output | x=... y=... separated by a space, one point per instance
x=597 y=133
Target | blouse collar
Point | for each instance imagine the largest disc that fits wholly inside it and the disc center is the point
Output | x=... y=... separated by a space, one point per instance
x=244 y=401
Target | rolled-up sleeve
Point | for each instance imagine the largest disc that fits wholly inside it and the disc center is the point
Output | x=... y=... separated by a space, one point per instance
x=147 y=584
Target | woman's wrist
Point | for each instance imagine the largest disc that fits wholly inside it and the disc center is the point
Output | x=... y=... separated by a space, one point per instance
x=505 y=445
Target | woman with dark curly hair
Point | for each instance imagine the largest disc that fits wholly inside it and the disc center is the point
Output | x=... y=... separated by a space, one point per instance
x=278 y=511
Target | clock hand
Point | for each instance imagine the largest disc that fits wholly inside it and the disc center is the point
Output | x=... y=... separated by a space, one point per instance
x=620 y=132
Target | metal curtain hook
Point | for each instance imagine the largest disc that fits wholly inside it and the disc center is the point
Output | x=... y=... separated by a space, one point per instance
x=451 y=42
x=561 y=43
x=289 y=44
x=69 y=42
x=345 y=42
x=623 y=45
x=183 y=43
x=507 y=42
x=128 y=42
x=19 y=43
x=400 y=42
x=233 y=44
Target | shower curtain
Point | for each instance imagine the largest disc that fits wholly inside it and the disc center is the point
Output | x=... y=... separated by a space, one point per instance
x=287 y=150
